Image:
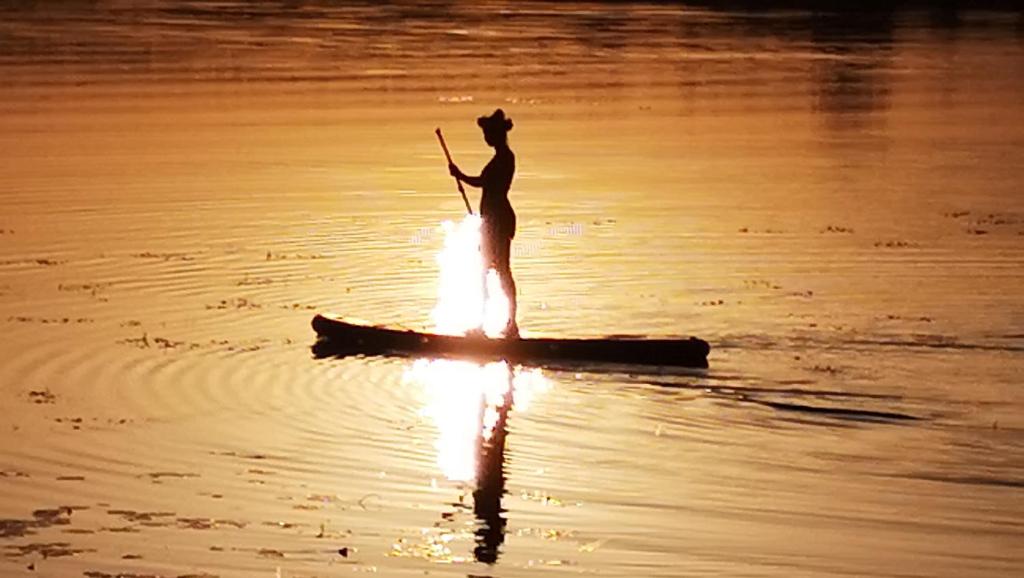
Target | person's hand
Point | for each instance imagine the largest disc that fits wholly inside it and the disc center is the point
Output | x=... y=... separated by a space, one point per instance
x=454 y=170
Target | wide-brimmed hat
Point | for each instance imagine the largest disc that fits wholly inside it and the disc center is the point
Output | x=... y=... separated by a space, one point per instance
x=495 y=121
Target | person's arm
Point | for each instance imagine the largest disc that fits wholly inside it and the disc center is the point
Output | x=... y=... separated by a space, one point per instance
x=477 y=181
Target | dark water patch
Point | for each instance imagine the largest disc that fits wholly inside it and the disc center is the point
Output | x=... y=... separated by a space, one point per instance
x=892 y=317
x=42 y=396
x=93 y=289
x=208 y=524
x=137 y=517
x=836 y=412
x=77 y=423
x=98 y=574
x=828 y=369
x=45 y=550
x=13 y=474
x=271 y=256
x=1015 y=483
x=158 y=476
x=753 y=231
x=166 y=343
x=44 y=518
x=15 y=528
x=277 y=553
x=50 y=320
x=897 y=244
x=120 y=529
x=44 y=262
x=733 y=390
x=298 y=307
x=761 y=284
x=284 y=525
x=234 y=303
x=838 y=341
x=996 y=220
x=247 y=455
x=164 y=256
x=838 y=229
x=254 y=281
x=147 y=342
x=935 y=342
x=70 y=478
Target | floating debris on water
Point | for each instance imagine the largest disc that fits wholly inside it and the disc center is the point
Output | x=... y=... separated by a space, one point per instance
x=745 y=230
x=46 y=550
x=254 y=281
x=42 y=396
x=12 y=474
x=164 y=256
x=133 y=516
x=208 y=523
x=162 y=475
x=30 y=261
x=761 y=284
x=235 y=303
x=837 y=229
x=896 y=245
x=271 y=256
x=49 y=320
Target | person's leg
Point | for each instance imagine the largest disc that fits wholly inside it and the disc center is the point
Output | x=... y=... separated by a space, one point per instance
x=487 y=250
x=508 y=284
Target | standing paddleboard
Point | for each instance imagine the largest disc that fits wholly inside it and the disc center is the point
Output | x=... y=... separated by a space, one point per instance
x=338 y=335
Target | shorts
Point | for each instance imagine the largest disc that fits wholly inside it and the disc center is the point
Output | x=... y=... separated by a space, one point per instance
x=496 y=234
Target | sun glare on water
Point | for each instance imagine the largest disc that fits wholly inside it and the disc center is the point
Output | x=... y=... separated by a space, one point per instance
x=463 y=400
x=460 y=296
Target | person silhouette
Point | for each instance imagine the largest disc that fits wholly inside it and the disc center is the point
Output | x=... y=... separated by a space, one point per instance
x=499 y=220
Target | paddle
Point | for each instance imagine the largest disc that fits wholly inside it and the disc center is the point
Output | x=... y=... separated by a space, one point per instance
x=448 y=155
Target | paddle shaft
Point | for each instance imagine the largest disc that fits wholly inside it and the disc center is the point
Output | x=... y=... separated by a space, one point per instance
x=448 y=155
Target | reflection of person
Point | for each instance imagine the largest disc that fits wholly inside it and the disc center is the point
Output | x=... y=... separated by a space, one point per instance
x=490 y=483
x=499 y=220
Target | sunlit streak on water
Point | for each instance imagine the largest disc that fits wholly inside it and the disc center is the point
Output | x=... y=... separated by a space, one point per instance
x=460 y=298
x=463 y=400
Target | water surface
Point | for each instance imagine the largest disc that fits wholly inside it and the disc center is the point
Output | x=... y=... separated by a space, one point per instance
x=832 y=200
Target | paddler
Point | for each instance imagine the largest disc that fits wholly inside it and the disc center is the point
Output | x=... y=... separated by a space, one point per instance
x=499 y=220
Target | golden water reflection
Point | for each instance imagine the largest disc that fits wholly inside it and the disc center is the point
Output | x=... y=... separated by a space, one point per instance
x=462 y=304
x=470 y=404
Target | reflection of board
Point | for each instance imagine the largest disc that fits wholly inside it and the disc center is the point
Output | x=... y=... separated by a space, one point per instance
x=347 y=337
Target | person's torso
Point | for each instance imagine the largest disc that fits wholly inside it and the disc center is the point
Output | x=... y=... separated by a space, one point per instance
x=497 y=180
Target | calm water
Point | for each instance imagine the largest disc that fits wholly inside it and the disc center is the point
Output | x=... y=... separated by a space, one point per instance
x=833 y=202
